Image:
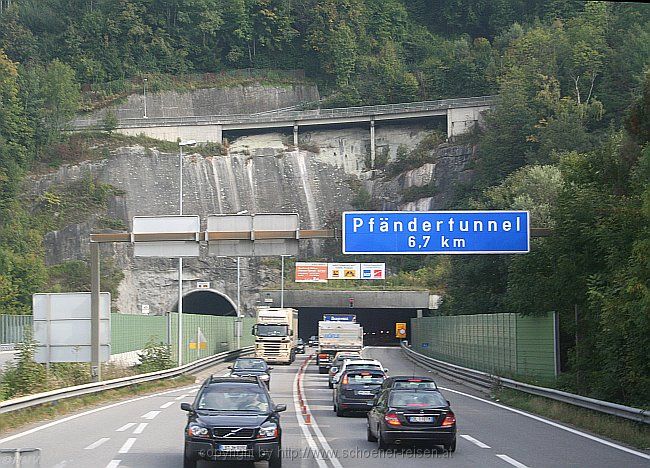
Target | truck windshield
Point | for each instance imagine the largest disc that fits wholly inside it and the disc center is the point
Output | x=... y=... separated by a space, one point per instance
x=272 y=330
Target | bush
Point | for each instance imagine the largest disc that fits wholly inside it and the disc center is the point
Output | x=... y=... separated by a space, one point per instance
x=154 y=357
x=24 y=376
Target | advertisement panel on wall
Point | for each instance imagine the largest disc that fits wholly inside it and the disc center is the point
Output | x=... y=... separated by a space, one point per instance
x=311 y=272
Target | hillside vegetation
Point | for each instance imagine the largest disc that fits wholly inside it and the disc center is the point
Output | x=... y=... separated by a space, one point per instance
x=568 y=140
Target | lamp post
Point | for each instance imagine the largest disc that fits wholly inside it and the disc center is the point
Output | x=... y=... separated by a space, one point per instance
x=180 y=259
x=238 y=323
x=282 y=282
x=144 y=91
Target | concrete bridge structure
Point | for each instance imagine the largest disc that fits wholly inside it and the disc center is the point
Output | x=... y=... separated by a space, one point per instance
x=462 y=115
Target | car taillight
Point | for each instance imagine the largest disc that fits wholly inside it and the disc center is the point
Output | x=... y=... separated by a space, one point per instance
x=345 y=380
x=392 y=419
x=449 y=420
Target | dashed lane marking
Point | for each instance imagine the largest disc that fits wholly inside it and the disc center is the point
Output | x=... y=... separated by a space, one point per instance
x=475 y=441
x=551 y=423
x=166 y=405
x=127 y=445
x=140 y=428
x=125 y=427
x=151 y=414
x=113 y=463
x=85 y=413
x=512 y=461
x=98 y=443
x=185 y=395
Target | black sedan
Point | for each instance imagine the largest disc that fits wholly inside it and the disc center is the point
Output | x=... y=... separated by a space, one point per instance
x=252 y=367
x=404 y=382
x=233 y=418
x=412 y=415
x=356 y=390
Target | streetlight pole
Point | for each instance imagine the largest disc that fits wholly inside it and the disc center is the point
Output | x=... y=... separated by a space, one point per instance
x=180 y=259
x=282 y=282
x=238 y=323
x=144 y=90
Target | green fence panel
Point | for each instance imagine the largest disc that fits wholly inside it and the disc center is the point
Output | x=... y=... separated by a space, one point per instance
x=132 y=332
x=13 y=327
x=501 y=344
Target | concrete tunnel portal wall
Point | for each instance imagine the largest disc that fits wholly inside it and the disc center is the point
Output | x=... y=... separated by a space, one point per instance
x=207 y=302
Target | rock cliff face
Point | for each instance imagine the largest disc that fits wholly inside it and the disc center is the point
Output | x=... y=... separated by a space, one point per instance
x=261 y=173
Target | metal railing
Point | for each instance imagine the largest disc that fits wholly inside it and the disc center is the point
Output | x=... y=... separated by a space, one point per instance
x=90 y=388
x=487 y=381
x=283 y=116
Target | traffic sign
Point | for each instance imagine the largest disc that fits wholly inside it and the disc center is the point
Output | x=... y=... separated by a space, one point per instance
x=436 y=232
x=152 y=226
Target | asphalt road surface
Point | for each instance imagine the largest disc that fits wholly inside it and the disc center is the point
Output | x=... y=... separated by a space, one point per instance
x=147 y=431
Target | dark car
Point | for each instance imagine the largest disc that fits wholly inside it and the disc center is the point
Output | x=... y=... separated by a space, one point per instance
x=412 y=415
x=233 y=418
x=336 y=364
x=252 y=367
x=402 y=382
x=313 y=341
x=300 y=346
x=356 y=390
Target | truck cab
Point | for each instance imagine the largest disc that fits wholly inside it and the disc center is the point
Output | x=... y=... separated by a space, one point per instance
x=276 y=334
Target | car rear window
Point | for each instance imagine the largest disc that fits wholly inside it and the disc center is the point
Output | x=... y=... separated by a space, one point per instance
x=417 y=399
x=362 y=366
x=365 y=377
x=414 y=385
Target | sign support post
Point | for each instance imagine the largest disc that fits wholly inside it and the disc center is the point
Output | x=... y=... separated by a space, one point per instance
x=95 y=364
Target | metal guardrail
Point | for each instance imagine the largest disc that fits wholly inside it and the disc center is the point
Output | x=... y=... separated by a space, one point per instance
x=292 y=115
x=488 y=381
x=90 y=388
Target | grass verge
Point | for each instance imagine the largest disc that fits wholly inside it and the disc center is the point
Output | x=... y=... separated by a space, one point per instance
x=619 y=429
x=20 y=418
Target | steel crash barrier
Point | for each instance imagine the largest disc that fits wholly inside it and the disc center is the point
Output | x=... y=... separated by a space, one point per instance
x=488 y=381
x=96 y=387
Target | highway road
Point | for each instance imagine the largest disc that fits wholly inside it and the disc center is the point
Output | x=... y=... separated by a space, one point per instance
x=147 y=431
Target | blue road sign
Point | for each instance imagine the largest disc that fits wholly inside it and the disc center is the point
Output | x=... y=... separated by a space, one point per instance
x=425 y=345
x=339 y=318
x=436 y=232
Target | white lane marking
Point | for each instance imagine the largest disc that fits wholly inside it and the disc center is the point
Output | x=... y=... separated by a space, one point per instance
x=552 y=423
x=185 y=395
x=166 y=405
x=512 y=461
x=321 y=438
x=113 y=464
x=303 y=426
x=127 y=445
x=474 y=441
x=85 y=413
x=151 y=414
x=140 y=428
x=125 y=427
x=98 y=443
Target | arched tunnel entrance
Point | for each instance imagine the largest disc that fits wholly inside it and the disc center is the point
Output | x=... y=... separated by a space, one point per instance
x=378 y=324
x=207 y=302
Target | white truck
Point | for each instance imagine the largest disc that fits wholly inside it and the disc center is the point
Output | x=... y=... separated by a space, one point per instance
x=276 y=332
x=334 y=337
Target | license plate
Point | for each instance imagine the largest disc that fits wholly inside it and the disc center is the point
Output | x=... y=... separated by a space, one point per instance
x=421 y=419
x=232 y=448
x=364 y=392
